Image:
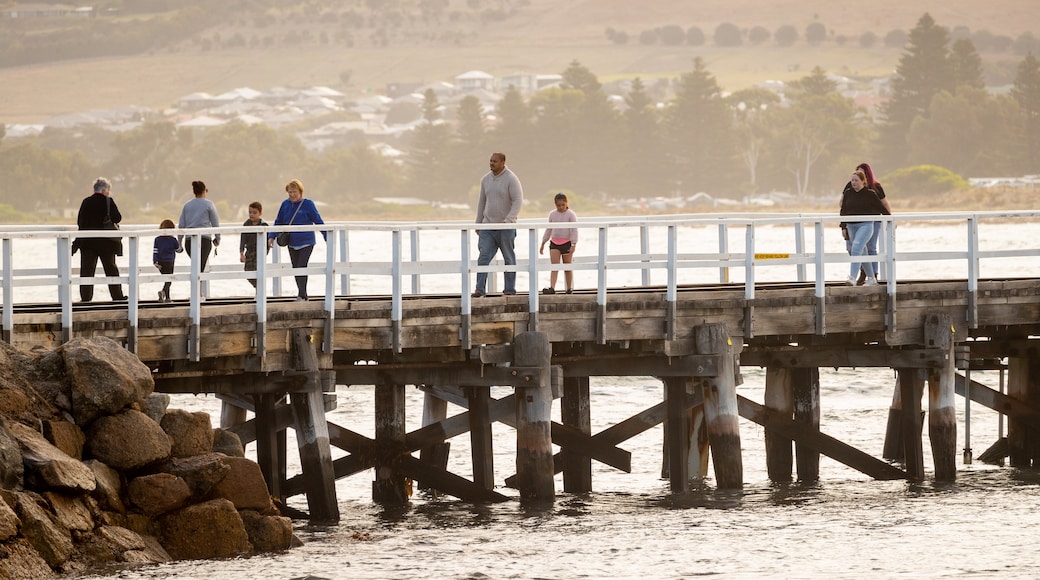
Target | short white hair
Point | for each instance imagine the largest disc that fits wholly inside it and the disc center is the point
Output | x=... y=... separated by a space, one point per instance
x=102 y=185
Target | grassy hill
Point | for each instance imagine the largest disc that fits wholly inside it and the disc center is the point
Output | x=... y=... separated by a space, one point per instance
x=497 y=36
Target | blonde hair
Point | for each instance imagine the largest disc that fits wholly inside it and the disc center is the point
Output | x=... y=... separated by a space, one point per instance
x=297 y=183
x=862 y=176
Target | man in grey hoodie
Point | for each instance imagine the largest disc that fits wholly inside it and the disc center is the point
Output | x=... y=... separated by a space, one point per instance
x=500 y=199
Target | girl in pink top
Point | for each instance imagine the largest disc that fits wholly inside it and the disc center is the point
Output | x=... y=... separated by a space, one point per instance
x=562 y=242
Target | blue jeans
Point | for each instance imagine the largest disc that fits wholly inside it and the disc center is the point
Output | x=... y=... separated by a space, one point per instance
x=859 y=235
x=871 y=246
x=489 y=242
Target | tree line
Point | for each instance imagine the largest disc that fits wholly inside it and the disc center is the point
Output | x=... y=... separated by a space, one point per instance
x=575 y=138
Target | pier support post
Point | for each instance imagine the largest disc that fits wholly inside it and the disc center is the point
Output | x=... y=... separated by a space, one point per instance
x=270 y=443
x=720 y=406
x=893 y=448
x=575 y=412
x=481 y=448
x=231 y=415
x=911 y=387
x=806 y=394
x=435 y=410
x=1023 y=379
x=780 y=398
x=942 y=416
x=389 y=484
x=312 y=433
x=677 y=431
x=534 y=456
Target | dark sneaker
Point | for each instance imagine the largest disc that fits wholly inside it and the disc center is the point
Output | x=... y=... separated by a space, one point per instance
x=548 y=290
x=570 y=291
x=509 y=293
x=477 y=294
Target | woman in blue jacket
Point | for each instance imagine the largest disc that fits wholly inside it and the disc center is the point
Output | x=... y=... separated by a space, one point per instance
x=297 y=211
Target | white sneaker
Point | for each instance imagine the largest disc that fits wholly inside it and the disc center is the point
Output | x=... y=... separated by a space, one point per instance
x=871 y=281
x=851 y=281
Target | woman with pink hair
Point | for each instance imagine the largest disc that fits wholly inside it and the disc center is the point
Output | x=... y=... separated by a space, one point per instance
x=874 y=184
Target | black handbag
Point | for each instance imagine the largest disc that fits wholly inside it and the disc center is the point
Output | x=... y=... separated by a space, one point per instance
x=106 y=222
x=282 y=239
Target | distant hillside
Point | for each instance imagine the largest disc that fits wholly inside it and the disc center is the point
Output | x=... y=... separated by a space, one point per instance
x=150 y=52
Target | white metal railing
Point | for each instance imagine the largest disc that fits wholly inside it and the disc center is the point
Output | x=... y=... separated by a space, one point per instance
x=396 y=259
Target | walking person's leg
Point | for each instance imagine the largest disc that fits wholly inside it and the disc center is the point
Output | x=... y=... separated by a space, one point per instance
x=166 y=268
x=487 y=249
x=108 y=262
x=507 y=238
x=568 y=275
x=300 y=259
x=554 y=258
x=859 y=234
x=88 y=259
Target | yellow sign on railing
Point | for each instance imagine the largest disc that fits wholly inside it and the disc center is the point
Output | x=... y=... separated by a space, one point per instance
x=771 y=256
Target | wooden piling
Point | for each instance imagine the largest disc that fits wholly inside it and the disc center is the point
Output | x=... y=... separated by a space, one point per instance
x=720 y=406
x=1023 y=443
x=806 y=395
x=482 y=451
x=270 y=443
x=677 y=430
x=435 y=409
x=389 y=484
x=942 y=416
x=893 y=447
x=312 y=433
x=534 y=456
x=911 y=387
x=780 y=399
x=575 y=412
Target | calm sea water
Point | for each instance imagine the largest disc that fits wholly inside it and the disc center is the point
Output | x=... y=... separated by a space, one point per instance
x=846 y=525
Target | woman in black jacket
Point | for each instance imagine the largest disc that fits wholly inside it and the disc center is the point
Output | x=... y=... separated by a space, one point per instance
x=99 y=212
x=860 y=200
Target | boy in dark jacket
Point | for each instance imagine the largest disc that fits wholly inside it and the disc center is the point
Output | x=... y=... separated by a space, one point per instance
x=247 y=243
x=164 y=254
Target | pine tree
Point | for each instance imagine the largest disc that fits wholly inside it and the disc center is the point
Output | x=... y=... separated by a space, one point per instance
x=641 y=162
x=924 y=70
x=966 y=64
x=1026 y=91
x=703 y=152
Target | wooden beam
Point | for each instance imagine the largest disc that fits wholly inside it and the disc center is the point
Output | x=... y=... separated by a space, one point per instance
x=816 y=356
x=652 y=366
x=468 y=374
x=817 y=441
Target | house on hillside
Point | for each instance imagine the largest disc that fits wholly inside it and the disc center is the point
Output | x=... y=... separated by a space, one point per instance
x=473 y=80
x=528 y=84
x=46 y=11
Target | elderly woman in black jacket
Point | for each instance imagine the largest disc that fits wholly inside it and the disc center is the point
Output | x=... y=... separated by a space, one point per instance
x=99 y=212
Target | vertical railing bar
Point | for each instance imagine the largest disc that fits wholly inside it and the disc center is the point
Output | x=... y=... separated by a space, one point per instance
x=194 y=300
x=819 y=261
x=261 y=297
x=532 y=278
x=644 y=249
x=6 y=246
x=64 y=284
x=134 y=293
x=344 y=256
x=749 y=260
x=601 y=288
x=799 y=248
x=466 y=306
x=724 y=252
x=396 y=284
x=330 y=289
x=973 y=273
x=416 y=277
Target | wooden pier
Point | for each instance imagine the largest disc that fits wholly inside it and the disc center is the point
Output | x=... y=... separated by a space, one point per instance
x=282 y=361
